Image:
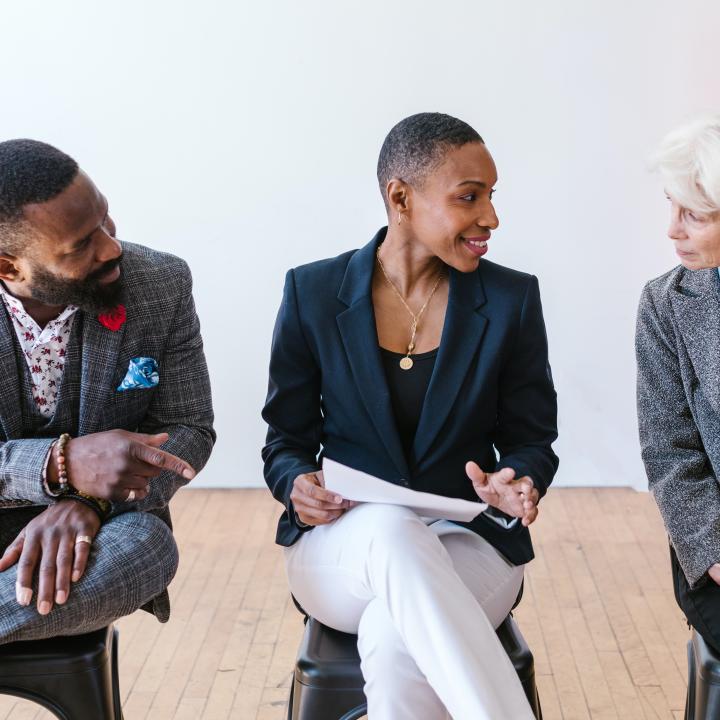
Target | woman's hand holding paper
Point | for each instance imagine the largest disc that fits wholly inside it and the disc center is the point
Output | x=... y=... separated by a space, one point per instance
x=314 y=505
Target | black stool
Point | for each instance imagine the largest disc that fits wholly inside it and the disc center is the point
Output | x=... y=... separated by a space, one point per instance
x=328 y=684
x=703 y=696
x=74 y=677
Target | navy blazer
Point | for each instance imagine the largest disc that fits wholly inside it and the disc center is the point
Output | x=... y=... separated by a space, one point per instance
x=490 y=398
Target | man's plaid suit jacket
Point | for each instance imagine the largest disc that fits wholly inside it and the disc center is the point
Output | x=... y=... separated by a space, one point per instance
x=161 y=323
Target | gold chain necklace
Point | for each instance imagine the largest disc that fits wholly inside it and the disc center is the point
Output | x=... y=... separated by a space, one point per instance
x=406 y=363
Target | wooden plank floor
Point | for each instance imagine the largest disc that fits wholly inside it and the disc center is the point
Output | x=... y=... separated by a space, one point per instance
x=598 y=613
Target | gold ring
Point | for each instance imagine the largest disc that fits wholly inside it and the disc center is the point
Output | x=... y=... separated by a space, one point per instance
x=130 y=497
x=83 y=538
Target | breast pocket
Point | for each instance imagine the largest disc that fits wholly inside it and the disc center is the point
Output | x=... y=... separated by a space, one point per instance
x=129 y=407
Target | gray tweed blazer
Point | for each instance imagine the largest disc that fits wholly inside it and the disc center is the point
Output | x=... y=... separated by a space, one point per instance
x=162 y=324
x=678 y=397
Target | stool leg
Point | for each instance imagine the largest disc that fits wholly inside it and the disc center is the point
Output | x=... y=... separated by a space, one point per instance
x=117 y=702
x=690 y=697
x=81 y=696
x=355 y=713
x=91 y=696
x=532 y=695
x=290 y=699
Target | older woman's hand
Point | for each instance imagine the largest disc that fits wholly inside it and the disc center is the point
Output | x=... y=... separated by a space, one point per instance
x=314 y=505
x=517 y=498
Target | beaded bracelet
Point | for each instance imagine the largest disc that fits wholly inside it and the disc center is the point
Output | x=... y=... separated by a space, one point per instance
x=66 y=490
x=62 y=469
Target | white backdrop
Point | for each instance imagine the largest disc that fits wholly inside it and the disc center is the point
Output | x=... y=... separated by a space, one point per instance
x=243 y=137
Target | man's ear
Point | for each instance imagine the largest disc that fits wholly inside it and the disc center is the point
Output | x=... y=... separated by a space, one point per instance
x=9 y=268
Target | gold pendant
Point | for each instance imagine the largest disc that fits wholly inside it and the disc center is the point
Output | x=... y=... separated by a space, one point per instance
x=406 y=363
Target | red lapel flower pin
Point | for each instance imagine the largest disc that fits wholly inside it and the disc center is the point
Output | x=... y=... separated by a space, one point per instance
x=113 y=319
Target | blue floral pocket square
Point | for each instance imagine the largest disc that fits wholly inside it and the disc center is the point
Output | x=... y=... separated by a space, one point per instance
x=142 y=374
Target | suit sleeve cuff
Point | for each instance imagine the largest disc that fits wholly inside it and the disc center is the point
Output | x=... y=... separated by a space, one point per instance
x=503 y=520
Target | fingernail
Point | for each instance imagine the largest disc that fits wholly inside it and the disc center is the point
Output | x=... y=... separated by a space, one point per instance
x=338 y=499
x=188 y=473
x=60 y=597
x=24 y=595
x=44 y=608
x=75 y=575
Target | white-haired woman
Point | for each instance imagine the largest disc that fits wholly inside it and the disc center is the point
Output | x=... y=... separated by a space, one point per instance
x=678 y=353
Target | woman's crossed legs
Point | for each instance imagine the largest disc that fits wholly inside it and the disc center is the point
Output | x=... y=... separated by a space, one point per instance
x=425 y=600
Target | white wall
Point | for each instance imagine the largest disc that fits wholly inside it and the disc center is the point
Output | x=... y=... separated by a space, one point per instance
x=243 y=136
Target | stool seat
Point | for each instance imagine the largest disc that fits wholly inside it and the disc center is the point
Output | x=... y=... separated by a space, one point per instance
x=703 y=698
x=76 y=652
x=328 y=683
x=74 y=677
x=328 y=659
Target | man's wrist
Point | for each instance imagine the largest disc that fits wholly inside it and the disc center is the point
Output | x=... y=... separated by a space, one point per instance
x=57 y=484
x=88 y=513
x=100 y=507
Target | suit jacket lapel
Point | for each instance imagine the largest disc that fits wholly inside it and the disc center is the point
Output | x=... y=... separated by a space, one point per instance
x=10 y=408
x=696 y=304
x=359 y=336
x=462 y=333
x=100 y=350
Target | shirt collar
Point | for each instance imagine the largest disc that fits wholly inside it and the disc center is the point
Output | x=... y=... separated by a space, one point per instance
x=15 y=306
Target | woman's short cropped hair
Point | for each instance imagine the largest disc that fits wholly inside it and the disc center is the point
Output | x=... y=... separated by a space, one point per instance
x=688 y=160
x=416 y=144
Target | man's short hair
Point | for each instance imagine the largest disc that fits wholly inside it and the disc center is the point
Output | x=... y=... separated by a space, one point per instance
x=417 y=144
x=30 y=172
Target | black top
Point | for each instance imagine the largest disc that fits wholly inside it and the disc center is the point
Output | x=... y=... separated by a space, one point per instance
x=407 y=391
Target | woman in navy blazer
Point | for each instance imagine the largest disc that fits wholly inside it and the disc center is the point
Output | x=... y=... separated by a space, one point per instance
x=416 y=361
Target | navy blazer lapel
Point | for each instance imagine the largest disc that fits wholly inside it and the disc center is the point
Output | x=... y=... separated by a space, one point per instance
x=359 y=335
x=10 y=407
x=462 y=332
x=100 y=350
x=696 y=303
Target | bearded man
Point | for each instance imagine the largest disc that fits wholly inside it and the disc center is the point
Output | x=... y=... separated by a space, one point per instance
x=105 y=406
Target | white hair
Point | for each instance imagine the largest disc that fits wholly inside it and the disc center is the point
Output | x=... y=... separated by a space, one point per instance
x=688 y=160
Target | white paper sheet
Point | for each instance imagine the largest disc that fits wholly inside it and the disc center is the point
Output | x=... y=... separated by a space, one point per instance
x=359 y=486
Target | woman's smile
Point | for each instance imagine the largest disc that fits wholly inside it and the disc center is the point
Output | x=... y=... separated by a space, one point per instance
x=477 y=245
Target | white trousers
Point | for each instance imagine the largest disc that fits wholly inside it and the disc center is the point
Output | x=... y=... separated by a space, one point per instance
x=424 y=600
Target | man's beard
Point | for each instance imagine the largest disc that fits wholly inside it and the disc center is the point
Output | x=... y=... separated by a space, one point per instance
x=88 y=294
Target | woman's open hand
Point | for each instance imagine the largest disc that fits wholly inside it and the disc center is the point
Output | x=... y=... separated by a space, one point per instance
x=314 y=505
x=517 y=498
